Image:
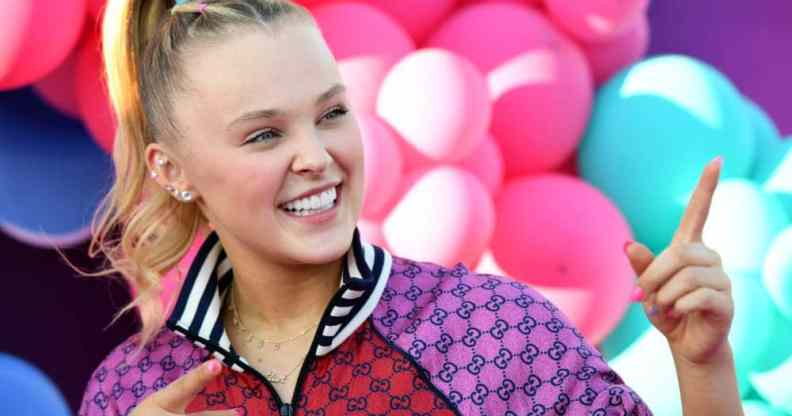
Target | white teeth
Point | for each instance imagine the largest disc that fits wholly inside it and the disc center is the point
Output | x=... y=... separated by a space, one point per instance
x=313 y=203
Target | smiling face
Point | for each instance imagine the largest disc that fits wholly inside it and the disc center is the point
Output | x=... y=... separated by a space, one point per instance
x=265 y=121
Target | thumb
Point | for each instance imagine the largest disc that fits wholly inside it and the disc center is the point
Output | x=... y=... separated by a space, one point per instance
x=639 y=255
x=176 y=396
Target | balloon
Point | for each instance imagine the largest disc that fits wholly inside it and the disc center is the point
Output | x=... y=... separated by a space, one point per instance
x=26 y=390
x=559 y=233
x=743 y=221
x=758 y=408
x=30 y=45
x=438 y=102
x=58 y=89
x=632 y=325
x=44 y=240
x=446 y=217
x=373 y=33
x=750 y=332
x=382 y=166
x=607 y=58
x=172 y=280
x=555 y=84
x=774 y=386
x=486 y=162
x=52 y=175
x=96 y=8
x=92 y=95
x=418 y=17
x=769 y=147
x=596 y=20
x=774 y=171
x=654 y=127
x=777 y=272
x=363 y=77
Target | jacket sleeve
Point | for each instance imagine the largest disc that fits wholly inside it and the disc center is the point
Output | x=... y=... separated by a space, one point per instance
x=98 y=399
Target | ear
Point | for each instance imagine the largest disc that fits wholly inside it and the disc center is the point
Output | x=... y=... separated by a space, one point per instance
x=166 y=170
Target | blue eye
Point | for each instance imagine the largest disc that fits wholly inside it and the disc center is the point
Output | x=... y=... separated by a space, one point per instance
x=337 y=112
x=264 y=135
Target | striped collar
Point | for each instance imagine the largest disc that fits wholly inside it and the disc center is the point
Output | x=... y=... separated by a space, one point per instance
x=196 y=315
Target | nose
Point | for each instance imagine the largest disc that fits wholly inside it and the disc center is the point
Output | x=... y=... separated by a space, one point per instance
x=311 y=156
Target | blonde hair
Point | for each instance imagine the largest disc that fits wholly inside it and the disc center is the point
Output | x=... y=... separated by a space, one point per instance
x=140 y=229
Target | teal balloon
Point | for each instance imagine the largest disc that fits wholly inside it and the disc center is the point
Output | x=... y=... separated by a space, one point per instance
x=653 y=128
x=774 y=171
x=26 y=391
x=631 y=326
x=774 y=386
x=750 y=333
x=777 y=273
x=768 y=142
x=742 y=223
x=760 y=408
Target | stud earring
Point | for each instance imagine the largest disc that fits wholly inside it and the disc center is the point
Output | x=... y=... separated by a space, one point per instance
x=169 y=188
x=154 y=175
x=185 y=196
x=161 y=161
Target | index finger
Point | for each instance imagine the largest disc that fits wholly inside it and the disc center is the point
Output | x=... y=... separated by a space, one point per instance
x=176 y=396
x=691 y=226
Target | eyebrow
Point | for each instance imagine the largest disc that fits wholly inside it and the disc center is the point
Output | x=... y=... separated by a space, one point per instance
x=272 y=113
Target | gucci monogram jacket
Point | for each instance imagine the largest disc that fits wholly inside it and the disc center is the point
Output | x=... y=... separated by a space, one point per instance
x=400 y=337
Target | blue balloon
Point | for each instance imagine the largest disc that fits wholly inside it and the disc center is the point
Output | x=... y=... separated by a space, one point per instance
x=653 y=128
x=52 y=174
x=26 y=391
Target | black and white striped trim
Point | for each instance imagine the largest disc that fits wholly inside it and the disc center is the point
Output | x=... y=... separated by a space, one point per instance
x=197 y=316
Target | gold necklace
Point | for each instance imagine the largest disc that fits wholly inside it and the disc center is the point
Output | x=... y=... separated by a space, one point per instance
x=250 y=337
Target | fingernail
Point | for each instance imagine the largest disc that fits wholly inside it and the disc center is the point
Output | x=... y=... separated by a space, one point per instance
x=214 y=367
x=637 y=294
x=627 y=245
x=718 y=161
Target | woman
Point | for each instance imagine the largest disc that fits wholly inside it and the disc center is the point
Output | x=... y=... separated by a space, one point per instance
x=232 y=117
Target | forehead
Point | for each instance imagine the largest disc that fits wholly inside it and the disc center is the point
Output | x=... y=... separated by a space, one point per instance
x=255 y=69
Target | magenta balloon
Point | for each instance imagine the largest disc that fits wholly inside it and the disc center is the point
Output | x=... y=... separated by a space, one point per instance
x=418 y=17
x=446 y=217
x=92 y=95
x=542 y=102
x=438 y=102
x=533 y=3
x=35 y=37
x=557 y=231
x=486 y=162
x=383 y=166
x=609 y=57
x=363 y=78
x=489 y=34
x=57 y=89
x=372 y=32
x=596 y=20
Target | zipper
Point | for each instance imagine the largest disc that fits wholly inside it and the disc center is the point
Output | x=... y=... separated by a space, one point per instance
x=286 y=409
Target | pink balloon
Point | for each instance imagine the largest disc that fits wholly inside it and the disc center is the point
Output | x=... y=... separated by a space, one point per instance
x=438 y=102
x=446 y=217
x=382 y=166
x=596 y=20
x=532 y=3
x=491 y=33
x=609 y=57
x=542 y=102
x=560 y=233
x=35 y=37
x=371 y=231
x=486 y=162
x=418 y=17
x=363 y=77
x=57 y=89
x=92 y=95
x=373 y=34
x=96 y=8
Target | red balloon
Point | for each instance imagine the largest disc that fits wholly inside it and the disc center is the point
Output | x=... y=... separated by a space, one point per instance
x=92 y=95
x=30 y=44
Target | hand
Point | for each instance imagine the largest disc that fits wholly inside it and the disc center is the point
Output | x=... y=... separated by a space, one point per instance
x=174 y=398
x=685 y=291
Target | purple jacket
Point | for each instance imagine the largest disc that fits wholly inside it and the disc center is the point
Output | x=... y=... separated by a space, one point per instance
x=400 y=337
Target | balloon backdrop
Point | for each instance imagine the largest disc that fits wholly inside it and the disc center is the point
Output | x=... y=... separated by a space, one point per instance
x=27 y=391
x=52 y=175
x=778 y=272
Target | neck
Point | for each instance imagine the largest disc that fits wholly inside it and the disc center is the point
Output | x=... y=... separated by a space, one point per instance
x=282 y=299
